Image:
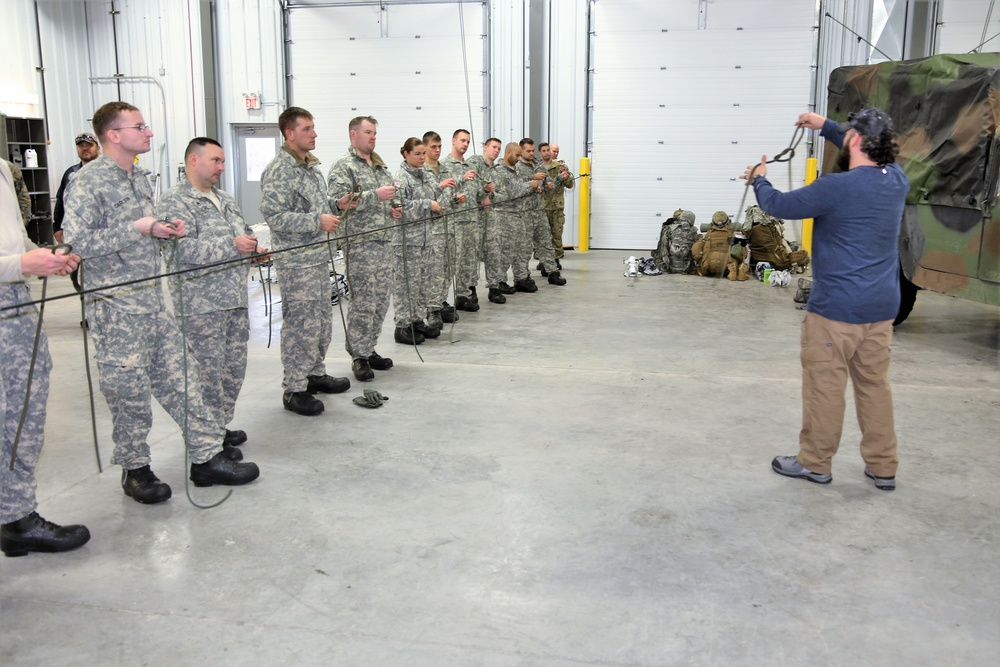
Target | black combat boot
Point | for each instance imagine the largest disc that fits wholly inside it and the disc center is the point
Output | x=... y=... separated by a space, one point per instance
x=408 y=336
x=302 y=403
x=496 y=296
x=33 y=533
x=471 y=301
x=232 y=453
x=378 y=362
x=327 y=384
x=424 y=330
x=525 y=285
x=434 y=320
x=362 y=371
x=235 y=438
x=220 y=470
x=505 y=288
x=448 y=313
x=541 y=268
x=556 y=279
x=143 y=486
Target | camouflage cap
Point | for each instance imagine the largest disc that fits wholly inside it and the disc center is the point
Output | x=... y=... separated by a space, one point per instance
x=869 y=122
x=720 y=218
x=677 y=213
x=685 y=216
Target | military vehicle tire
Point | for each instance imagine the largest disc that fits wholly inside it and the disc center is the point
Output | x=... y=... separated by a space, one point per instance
x=907 y=297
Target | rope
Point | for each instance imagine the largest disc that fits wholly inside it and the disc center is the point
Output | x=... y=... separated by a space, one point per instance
x=84 y=325
x=785 y=155
x=227 y=262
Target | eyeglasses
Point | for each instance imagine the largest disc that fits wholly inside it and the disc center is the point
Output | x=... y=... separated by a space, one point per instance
x=140 y=128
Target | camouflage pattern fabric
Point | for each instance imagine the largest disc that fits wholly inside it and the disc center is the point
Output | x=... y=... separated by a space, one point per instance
x=441 y=247
x=946 y=116
x=101 y=209
x=366 y=232
x=209 y=239
x=466 y=222
x=370 y=220
x=306 y=323
x=411 y=242
x=555 y=204
x=505 y=237
x=215 y=320
x=535 y=220
x=17 y=337
x=23 y=198
x=677 y=237
x=293 y=197
x=133 y=368
x=218 y=342
x=370 y=274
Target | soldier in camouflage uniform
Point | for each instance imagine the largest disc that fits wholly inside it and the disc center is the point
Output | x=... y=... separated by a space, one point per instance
x=442 y=240
x=716 y=253
x=465 y=220
x=539 y=232
x=21 y=529
x=485 y=166
x=295 y=207
x=211 y=305
x=555 y=199
x=507 y=238
x=418 y=194
x=361 y=184
x=139 y=347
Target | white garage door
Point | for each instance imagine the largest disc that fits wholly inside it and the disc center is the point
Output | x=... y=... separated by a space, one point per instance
x=402 y=64
x=686 y=93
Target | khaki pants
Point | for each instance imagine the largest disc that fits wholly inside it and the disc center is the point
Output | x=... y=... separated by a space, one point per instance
x=831 y=351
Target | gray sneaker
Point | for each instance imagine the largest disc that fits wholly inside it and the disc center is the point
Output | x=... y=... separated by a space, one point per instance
x=789 y=466
x=881 y=483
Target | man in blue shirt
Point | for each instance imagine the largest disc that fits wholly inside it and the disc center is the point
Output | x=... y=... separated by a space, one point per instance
x=847 y=328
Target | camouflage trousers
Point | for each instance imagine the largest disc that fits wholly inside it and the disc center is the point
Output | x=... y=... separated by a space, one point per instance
x=442 y=252
x=411 y=280
x=306 y=323
x=557 y=220
x=219 y=342
x=140 y=356
x=469 y=251
x=369 y=273
x=17 y=336
x=506 y=247
x=541 y=238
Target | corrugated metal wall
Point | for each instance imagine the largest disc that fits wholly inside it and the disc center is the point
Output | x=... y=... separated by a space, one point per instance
x=962 y=23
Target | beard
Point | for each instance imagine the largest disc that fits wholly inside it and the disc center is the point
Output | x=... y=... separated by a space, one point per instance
x=843 y=159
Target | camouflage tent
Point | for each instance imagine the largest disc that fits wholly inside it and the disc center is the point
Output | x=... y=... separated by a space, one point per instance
x=947 y=113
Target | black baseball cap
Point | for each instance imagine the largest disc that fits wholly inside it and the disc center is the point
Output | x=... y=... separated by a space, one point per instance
x=85 y=137
x=869 y=122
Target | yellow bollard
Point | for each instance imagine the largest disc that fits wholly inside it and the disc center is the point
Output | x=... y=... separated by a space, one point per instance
x=812 y=169
x=584 y=244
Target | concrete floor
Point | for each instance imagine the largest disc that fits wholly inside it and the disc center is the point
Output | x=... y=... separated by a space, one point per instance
x=581 y=478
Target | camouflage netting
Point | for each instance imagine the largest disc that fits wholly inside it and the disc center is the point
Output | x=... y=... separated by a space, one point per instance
x=946 y=110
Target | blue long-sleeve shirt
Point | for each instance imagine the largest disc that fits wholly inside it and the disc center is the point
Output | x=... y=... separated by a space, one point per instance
x=857 y=216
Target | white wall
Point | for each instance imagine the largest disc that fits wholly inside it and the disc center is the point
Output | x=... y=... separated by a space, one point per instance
x=961 y=26
x=20 y=89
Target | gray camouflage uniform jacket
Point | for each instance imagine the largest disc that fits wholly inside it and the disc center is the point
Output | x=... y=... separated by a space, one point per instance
x=101 y=209
x=509 y=191
x=527 y=173
x=473 y=190
x=293 y=197
x=210 y=234
x=370 y=221
x=418 y=189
